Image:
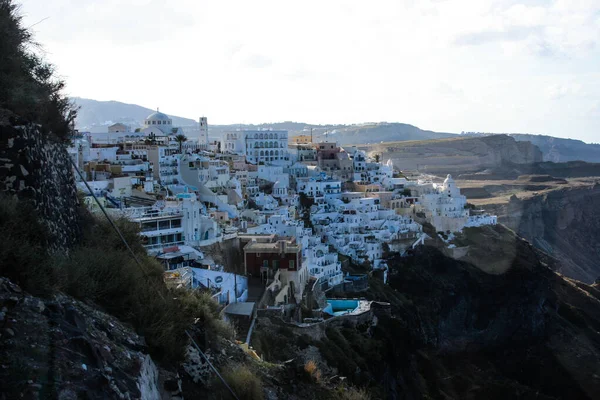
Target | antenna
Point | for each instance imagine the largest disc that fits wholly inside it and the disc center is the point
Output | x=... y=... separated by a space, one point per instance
x=311 y=135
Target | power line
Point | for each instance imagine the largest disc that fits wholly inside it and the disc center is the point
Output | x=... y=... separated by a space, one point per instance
x=212 y=366
x=145 y=275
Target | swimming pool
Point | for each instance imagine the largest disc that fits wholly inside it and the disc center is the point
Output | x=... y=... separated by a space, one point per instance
x=340 y=306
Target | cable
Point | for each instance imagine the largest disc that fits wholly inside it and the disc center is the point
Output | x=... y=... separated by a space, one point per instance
x=107 y=217
x=212 y=367
x=145 y=275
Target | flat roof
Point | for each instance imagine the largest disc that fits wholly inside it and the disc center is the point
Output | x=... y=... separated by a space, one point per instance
x=274 y=247
x=245 y=309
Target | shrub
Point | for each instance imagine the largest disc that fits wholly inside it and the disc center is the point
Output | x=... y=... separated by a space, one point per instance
x=352 y=393
x=29 y=88
x=245 y=384
x=101 y=269
x=312 y=371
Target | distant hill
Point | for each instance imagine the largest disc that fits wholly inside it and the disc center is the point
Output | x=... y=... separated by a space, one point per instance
x=384 y=132
x=368 y=133
x=562 y=150
x=555 y=149
x=97 y=115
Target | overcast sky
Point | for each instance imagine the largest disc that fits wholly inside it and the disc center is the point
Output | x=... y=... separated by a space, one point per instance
x=495 y=66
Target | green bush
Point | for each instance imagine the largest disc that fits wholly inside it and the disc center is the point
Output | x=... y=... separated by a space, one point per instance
x=245 y=384
x=29 y=88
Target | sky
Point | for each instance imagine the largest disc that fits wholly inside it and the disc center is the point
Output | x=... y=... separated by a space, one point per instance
x=529 y=66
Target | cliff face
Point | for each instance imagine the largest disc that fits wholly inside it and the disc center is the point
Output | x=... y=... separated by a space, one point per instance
x=457 y=332
x=562 y=150
x=527 y=333
x=62 y=348
x=458 y=154
x=35 y=167
x=564 y=223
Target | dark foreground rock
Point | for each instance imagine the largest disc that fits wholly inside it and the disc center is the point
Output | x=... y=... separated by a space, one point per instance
x=62 y=348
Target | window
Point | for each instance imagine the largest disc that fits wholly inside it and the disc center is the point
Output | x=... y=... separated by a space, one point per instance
x=148 y=226
x=176 y=223
x=164 y=224
x=292 y=264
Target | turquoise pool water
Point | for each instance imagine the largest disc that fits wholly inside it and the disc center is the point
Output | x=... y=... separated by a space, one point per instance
x=340 y=307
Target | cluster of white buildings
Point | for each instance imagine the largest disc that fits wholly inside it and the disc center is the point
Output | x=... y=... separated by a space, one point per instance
x=326 y=202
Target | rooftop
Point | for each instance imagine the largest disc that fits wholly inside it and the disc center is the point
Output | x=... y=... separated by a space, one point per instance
x=275 y=247
x=244 y=309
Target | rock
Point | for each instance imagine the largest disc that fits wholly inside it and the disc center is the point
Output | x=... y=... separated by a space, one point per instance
x=16 y=289
x=40 y=307
x=67 y=394
x=2 y=315
x=24 y=171
x=9 y=332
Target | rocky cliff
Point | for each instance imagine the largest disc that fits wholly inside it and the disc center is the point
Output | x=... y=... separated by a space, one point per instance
x=458 y=332
x=458 y=154
x=564 y=223
x=36 y=167
x=562 y=150
x=61 y=348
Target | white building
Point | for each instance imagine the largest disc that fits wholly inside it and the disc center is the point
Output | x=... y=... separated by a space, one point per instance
x=165 y=164
x=323 y=264
x=229 y=287
x=259 y=146
x=319 y=188
x=443 y=205
x=158 y=123
x=119 y=128
x=183 y=221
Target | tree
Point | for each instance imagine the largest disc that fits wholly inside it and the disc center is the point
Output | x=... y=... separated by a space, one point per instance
x=180 y=139
x=377 y=156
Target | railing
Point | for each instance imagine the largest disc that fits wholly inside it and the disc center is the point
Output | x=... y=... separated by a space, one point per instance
x=161 y=245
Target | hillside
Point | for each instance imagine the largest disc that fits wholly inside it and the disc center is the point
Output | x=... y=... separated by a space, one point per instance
x=562 y=150
x=96 y=115
x=560 y=217
x=457 y=332
x=380 y=132
x=457 y=155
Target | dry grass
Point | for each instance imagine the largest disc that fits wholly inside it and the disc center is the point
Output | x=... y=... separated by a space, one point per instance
x=312 y=371
x=245 y=384
x=352 y=393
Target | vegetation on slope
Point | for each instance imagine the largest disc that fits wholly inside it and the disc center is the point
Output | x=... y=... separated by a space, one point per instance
x=29 y=88
x=101 y=270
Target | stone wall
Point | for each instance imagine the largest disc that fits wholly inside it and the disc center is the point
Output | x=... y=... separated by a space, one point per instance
x=36 y=167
